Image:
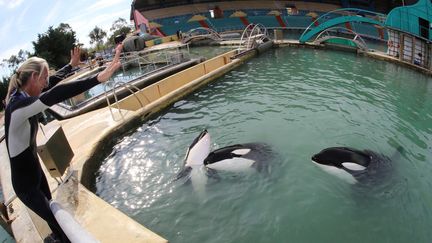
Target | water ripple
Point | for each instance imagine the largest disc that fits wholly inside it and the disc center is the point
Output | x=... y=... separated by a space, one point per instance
x=298 y=101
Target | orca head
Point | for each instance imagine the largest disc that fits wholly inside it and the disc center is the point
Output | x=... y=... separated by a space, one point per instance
x=343 y=162
x=343 y=158
x=228 y=152
x=198 y=150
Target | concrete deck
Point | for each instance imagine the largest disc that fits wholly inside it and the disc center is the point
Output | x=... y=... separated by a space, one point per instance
x=87 y=134
x=104 y=222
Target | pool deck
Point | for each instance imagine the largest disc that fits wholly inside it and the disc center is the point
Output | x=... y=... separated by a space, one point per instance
x=87 y=134
x=100 y=219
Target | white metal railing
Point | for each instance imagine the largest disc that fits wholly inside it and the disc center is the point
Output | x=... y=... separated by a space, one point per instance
x=252 y=35
x=329 y=16
x=148 y=61
x=201 y=32
x=330 y=33
x=74 y=231
x=114 y=90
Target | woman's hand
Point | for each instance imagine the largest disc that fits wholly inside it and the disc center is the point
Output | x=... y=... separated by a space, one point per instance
x=112 y=67
x=75 y=57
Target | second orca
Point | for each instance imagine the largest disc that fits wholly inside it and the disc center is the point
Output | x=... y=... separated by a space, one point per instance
x=353 y=165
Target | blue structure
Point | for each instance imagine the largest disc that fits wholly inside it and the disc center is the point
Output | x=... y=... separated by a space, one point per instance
x=414 y=19
x=334 y=22
x=171 y=24
x=330 y=20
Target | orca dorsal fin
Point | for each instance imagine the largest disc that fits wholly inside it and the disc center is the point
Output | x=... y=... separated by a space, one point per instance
x=353 y=166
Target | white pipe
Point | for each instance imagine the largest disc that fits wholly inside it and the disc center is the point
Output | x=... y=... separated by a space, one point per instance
x=70 y=226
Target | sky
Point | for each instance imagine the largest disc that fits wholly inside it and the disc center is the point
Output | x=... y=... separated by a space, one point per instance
x=22 y=20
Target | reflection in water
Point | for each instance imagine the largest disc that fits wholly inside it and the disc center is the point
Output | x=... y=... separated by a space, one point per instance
x=299 y=101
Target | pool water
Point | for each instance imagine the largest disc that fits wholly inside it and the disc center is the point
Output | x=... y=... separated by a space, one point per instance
x=298 y=101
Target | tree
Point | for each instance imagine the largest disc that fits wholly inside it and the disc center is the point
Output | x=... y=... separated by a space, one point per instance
x=119 y=27
x=96 y=36
x=118 y=24
x=3 y=91
x=15 y=60
x=55 y=45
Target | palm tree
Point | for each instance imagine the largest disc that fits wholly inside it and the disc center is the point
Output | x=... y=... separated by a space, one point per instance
x=97 y=35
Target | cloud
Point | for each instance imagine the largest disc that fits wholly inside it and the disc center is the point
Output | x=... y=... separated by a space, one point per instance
x=6 y=29
x=6 y=54
x=82 y=27
x=11 y=4
x=20 y=21
x=13 y=23
x=53 y=12
x=94 y=11
x=101 y=4
x=96 y=17
x=20 y=24
x=15 y=49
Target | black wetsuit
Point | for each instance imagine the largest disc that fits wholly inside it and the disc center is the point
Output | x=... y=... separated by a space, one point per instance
x=21 y=126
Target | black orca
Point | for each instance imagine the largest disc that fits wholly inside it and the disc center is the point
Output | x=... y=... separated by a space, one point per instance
x=350 y=164
x=235 y=158
x=240 y=157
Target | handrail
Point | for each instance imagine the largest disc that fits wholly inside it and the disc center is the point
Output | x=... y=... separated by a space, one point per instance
x=253 y=33
x=361 y=43
x=358 y=43
x=74 y=231
x=128 y=87
x=148 y=62
x=212 y=34
x=151 y=57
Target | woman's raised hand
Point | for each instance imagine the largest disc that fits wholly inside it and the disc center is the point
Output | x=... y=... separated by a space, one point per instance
x=112 y=66
x=75 y=57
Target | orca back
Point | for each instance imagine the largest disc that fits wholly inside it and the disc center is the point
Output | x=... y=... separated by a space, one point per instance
x=249 y=155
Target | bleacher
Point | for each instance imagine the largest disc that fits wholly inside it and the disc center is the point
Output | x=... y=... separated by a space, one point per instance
x=226 y=24
x=235 y=5
x=297 y=21
x=177 y=18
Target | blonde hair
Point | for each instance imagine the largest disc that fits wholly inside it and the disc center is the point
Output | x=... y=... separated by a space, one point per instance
x=23 y=73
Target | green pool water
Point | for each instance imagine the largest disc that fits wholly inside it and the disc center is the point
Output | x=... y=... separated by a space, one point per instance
x=298 y=101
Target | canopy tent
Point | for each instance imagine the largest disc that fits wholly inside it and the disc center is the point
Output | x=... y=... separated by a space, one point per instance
x=201 y=19
x=274 y=13
x=197 y=17
x=238 y=14
x=242 y=16
x=278 y=17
